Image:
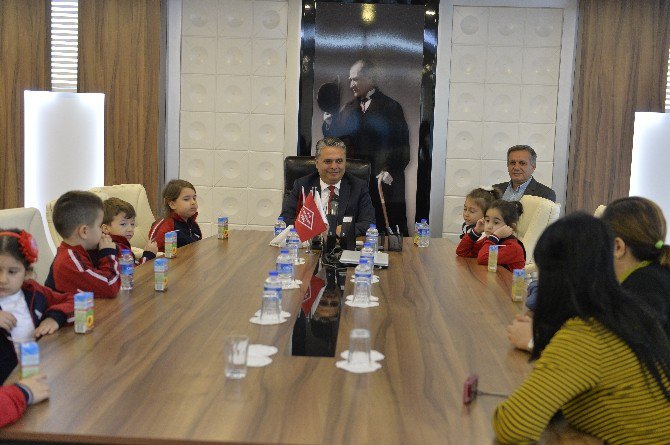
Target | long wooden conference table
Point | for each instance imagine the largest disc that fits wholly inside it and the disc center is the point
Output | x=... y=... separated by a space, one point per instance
x=152 y=369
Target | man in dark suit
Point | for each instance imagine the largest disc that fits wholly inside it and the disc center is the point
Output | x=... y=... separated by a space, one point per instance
x=332 y=181
x=374 y=128
x=521 y=163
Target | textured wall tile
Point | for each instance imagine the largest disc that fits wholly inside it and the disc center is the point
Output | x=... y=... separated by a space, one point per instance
x=267 y=132
x=544 y=27
x=268 y=95
x=269 y=57
x=466 y=102
x=264 y=206
x=506 y=26
x=541 y=137
x=541 y=66
x=198 y=55
x=231 y=202
x=468 y=63
x=195 y=166
x=464 y=140
x=270 y=19
x=196 y=130
x=198 y=92
x=235 y=18
x=504 y=64
x=461 y=176
x=233 y=56
x=207 y=229
x=494 y=172
x=470 y=25
x=266 y=170
x=231 y=168
x=199 y=18
x=453 y=214
x=543 y=173
x=498 y=137
x=232 y=131
x=502 y=103
x=538 y=104
x=233 y=94
x=204 y=204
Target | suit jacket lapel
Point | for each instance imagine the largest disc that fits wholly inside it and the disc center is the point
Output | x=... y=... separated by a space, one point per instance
x=532 y=185
x=343 y=199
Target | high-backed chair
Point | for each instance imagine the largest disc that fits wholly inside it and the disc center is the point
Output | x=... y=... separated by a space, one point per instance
x=298 y=166
x=599 y=211
x=136 y=195
x=30 y=220
x=49 y=213
x=537 y=214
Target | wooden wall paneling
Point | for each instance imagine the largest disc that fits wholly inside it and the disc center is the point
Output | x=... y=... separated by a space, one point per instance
x=622 y=63
x=119 y=55
x=24 y=65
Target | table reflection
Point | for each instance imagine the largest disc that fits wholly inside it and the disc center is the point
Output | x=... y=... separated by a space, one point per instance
x=315 y=330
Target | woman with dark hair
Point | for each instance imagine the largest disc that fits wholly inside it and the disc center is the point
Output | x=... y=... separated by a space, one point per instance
x=641 y=257
x=603 y=357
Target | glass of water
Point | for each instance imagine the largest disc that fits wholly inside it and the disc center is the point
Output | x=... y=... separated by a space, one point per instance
x=235 y=352
x=359 y=348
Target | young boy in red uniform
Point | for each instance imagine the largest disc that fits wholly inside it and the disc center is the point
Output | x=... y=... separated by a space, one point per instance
x=78 y=218
x=119 y=223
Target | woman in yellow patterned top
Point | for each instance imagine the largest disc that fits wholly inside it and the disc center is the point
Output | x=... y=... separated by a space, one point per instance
x=603 y=357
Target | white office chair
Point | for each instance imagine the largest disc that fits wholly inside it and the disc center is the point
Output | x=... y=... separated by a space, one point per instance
x=49 y=212
x=30 y=220
x=537 y=214
x=599 y=211
x=136 y=195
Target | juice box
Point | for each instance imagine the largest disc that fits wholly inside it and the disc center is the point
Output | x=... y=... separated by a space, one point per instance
x=83 y=312
x=223 y=227
x=30 y=359
x=519 y=288
x=171 y=244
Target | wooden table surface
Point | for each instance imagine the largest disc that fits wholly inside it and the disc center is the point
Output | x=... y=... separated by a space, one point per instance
x=152 y=370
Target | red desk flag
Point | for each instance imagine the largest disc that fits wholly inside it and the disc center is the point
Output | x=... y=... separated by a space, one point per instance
x=310 y=221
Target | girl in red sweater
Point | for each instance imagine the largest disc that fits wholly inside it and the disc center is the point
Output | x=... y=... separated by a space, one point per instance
x=498 y=227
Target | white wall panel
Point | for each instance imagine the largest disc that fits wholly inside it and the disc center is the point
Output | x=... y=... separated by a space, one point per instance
x=538 y=104
x=270 y=19
x=469 y=63
x=234 y=56
x=231 y=168
x=544 y=26
x=470 y=25
x=199 y=55
x=233 y=106
x=540 y=137
x=269 y=57
x=462 y=176
x=231 y=202
x=195 y=166
x=206 y=212
x=267 y=132
x=466 y=102
x=197 y=92
x=493 y=172
x=541 y=65
x=199 y=18
x=266 y=170
x=501 y=103
x=498 y=137
x=232 y=131
x=504 y=64
x=268 y=95
x=453 y=214
x=197 y=129
x=506 y=26
x=464 y=140
x=233 y=94
x=235 y=18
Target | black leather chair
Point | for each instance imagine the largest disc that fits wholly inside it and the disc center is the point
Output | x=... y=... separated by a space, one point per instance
x=298 y=166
